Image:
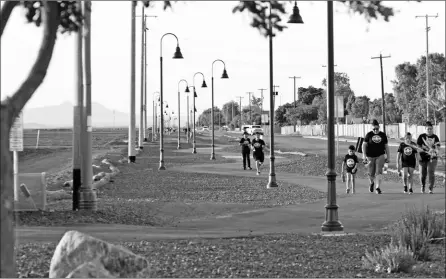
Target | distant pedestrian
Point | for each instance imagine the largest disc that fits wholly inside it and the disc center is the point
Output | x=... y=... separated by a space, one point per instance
x=375 y=152
x=245 y=143
x=257 y=154
x=406 y=159
x=430 y=143
x=351 y=166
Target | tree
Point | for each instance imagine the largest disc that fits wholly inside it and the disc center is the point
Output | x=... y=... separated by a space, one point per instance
x=303 y=113
x=227 y=110
x=360 y=107
x=342 y=87
x=66 y=17
x=306 y=95
x=281 y=114
x=393 y=113
x=405 y=85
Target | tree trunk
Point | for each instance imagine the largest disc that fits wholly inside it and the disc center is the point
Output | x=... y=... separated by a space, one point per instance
x=5 y=13
x=9 y=110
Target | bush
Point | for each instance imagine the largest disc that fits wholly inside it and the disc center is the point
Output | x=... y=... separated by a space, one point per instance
x=393 y=258
x=415 y=230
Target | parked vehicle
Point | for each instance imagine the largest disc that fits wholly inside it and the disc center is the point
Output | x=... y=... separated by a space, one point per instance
x=205 y=128
x=255 y=129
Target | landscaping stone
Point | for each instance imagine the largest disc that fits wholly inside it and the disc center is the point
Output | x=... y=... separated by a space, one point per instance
x=76 y=249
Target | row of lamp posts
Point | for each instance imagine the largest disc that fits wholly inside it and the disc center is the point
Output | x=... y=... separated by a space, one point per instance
x=331 y=217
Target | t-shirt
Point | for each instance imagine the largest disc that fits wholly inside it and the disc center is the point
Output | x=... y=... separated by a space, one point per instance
x=408 y=157
x=430 y=140
x=350 y=161
x=245 y=144
x=375 y=144
x=258 y=145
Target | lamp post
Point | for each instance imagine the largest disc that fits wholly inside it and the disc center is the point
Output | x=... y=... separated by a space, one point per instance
x=131 y=142
x=155 y=116
x=250 y=111
x=203 y=85
x=331 y=214
x=177 y=55
x=179 y=109
x=224 y=75
x=188 y=114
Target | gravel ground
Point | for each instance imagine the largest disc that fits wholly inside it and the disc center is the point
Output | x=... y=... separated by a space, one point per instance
x=142 y=195
x=280 y=256
x=317 y=166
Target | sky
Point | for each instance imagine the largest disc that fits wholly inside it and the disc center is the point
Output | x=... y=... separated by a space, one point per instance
x=208 y=30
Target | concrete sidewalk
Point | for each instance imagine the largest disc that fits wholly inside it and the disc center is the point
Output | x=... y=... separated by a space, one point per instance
x=363 y=212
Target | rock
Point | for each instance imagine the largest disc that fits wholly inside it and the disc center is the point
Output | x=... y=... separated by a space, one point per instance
x=90 y=270
x=76 y=249
x=68 y=184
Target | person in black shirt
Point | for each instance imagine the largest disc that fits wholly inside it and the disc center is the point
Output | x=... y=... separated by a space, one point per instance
x=375 y=152
x=407 y=160
x=430 y=143
x=351 y=164
x=245 y=142
x=257 y=154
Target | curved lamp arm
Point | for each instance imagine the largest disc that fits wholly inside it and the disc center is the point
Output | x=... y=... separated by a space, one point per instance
x=195 y=75
x=187 y=84
x=224 y=65
x=161 y=42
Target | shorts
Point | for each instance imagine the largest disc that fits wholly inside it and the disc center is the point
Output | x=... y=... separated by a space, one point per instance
x=258 y=156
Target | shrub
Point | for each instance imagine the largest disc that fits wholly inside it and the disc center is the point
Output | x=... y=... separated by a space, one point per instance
x=416 y=228
x=393 y=258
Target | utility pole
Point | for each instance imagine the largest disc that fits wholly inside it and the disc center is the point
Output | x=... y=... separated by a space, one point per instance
x=88 y=196
x=232 y=111
x=78 y=119
x=276 y=93
x=131 y=141
x=250 y=110
x=141 y=109
x=383 y=103
x=261 y=106
x=295 y=93
x=427 y=59
x=240 y=104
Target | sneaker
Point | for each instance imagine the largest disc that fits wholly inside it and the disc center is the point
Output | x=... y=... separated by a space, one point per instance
x=423 y=189
x=430 y=191
x=410 y=191
x=244 y=168
x=347 y=191
x=378 y=191
x=405 y=189
x=372 y=185
x=258 y=173
x=249 y=168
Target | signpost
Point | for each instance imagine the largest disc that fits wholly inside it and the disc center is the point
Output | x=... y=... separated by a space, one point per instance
x=16 y=145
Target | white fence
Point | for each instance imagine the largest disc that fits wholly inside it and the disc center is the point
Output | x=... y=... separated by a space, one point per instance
x=394 y=131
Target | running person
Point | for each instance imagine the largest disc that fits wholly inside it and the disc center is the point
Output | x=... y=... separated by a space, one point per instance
x=245 y=142
x=351 y=163
x=375 y=153
x=257 y=154
x=429 y=158
x=406 y=159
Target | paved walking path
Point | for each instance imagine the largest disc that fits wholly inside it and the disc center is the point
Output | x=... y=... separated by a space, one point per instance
x=360 y=213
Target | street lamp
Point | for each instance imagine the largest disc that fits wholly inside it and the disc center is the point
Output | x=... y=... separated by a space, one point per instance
x=155 y=116
x=294 y=18
x=177 y=55
x=225 y=76
x=179 y=109
x=203 y=85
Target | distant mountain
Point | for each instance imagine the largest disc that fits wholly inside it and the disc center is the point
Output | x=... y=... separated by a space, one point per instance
x=61 y=116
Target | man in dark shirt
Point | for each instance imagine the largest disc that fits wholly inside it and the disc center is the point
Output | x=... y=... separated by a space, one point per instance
x=407 y=156
x=245 y=142
x=257 y=154
x=430 y=143
x=375 y=152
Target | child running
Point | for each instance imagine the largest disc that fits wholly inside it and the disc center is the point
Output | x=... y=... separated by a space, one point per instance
x=406 y=158
x=245 y=142
x=351 y=163
x=257 y=154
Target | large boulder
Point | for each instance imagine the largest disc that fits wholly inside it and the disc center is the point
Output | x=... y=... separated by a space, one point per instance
x=78 y=254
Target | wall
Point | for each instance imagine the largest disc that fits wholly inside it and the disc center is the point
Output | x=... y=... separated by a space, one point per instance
x=394 y=131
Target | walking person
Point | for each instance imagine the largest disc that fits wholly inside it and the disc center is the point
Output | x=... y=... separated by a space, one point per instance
x=245 y=143
x=375 y=153
x=351 y=166
x=257 y=154
x=406 y=159
x=430 y=143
